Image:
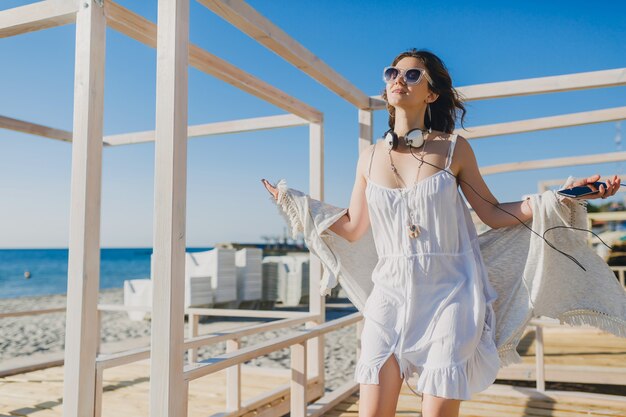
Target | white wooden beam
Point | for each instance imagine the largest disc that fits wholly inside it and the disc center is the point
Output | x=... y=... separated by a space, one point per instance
x=217 y=128
x=167 y=384
x=317 y=302
x=37 y=16
x=545 y=123
x=540 y=85
x=298 y=397
x=554 y=163
x=259 y=28
x=607 y=216
x=546 y=184
x=366 y=129
x=82 y=337
x=34 y=129
x=144 y=31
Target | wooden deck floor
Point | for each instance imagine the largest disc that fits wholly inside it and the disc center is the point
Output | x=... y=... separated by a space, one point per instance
x=506 y=401
x=126 y=389
x=572 y=354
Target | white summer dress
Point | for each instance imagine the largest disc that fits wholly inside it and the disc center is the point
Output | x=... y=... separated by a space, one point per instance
x=431 y=303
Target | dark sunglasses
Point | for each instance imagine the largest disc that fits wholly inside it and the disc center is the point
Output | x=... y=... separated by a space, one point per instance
x=411 y=75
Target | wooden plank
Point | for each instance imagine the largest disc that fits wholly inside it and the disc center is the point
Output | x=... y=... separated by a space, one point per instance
x=126 y=390
x=139 y=353
x=233 y=379
x=144 y=31
x=608 y=216
x=567 y=373
x=554 y=162
x=259 y=28
x=81 y=336
x=233 y=312
x=224 y=335
x=34 y=129
x=546 y=184
x=217 y=128
x=544 y=123
x=298 y=400
x=366 y=129
x=540 y=365
x=501 y=400
x=32 y=312
x=167 y=383
x=332 y=399
x=317 y=302
x=37 y=16
x=220 y=362
x=540 y=85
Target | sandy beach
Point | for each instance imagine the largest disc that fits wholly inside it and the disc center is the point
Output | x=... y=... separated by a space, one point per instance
x=39 y=335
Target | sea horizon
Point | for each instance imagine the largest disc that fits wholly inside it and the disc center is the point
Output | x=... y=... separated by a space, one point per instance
x=48 y=269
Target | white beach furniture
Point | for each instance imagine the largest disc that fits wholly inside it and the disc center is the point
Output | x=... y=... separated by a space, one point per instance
x=210 y=277
x=137 y=293
x=287 y=278
x=249 y=274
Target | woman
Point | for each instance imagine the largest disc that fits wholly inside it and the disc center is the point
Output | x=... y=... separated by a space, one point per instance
x=431 y=307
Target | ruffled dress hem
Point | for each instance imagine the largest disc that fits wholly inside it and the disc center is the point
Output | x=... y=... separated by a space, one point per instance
x=459 y=381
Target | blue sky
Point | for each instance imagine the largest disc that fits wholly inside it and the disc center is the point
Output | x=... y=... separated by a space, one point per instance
x=479 y=41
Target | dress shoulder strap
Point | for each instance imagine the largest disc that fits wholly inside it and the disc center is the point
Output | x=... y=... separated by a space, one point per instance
x=451 y=151
x=369 y=170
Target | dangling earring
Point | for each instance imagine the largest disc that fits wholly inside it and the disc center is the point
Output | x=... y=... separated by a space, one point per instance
x=430 y=120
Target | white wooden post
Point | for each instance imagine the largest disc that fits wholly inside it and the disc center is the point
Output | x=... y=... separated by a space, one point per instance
x=83 y=280
x=233 y=379
x=37 y=16
x=298 y=402
x=366 y=129
x=366 y=138
x=99 y=332
x=192 y=322
x=541 y=379
x=167 y=385
x=99 y=391
x=317 y=303
x=184 y=412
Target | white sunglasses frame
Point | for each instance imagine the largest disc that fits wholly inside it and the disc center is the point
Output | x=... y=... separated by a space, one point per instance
x=402 y=73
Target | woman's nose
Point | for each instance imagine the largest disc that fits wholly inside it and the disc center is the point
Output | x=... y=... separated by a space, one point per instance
x=400 y=79
x=399 y=82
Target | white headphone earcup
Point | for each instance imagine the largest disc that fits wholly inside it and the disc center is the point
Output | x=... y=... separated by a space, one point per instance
x=414 y=138
x=388 y=140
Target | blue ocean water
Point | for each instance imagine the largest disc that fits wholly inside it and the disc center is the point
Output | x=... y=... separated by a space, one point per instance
x=48 y=269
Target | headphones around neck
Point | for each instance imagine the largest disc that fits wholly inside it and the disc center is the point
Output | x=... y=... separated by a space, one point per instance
x=414 y=138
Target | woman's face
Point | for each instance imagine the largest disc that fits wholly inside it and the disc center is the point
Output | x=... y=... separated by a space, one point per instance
x=399 y=94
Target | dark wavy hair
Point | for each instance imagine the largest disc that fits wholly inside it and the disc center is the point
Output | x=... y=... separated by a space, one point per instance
x=444 y=111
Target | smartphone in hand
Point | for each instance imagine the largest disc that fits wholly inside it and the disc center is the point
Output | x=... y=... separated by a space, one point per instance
x=583 y=190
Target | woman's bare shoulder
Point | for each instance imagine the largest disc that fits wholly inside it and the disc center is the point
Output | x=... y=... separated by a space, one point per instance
x=365 y=157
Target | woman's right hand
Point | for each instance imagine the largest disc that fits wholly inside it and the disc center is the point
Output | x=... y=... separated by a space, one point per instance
x=272 y=190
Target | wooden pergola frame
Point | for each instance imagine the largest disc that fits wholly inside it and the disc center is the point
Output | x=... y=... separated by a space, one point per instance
x=170 y=36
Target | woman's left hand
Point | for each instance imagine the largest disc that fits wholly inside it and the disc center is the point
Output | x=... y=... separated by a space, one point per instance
x=604 y=192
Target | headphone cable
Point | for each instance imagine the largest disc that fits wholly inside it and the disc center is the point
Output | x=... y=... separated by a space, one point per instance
x=524 y=224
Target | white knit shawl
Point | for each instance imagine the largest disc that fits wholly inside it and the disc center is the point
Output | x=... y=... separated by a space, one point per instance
x=531 y=278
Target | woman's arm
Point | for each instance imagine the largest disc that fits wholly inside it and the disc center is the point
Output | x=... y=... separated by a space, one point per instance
x=491 y=215
x=352 y=225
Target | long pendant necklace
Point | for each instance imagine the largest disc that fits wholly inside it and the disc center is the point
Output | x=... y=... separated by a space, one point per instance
x=413 y=228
